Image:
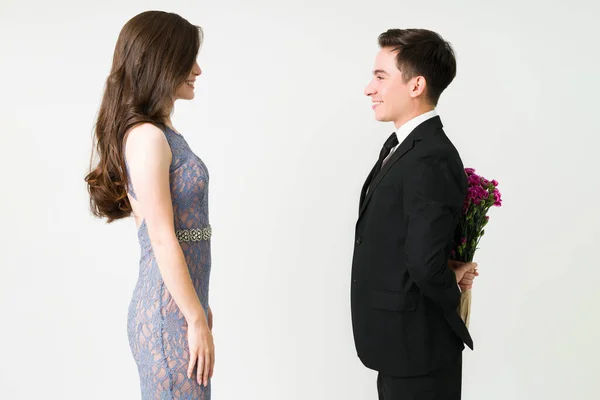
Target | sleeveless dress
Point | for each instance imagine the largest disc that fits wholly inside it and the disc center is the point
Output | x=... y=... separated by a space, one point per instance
x=156 y=328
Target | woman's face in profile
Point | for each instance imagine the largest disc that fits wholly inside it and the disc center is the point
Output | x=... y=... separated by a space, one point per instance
x=186 y=90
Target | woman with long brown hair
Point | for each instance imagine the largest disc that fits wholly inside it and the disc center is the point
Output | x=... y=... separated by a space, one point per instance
x=146 y=169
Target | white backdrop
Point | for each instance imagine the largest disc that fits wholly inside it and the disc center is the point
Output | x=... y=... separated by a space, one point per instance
x=282 y=123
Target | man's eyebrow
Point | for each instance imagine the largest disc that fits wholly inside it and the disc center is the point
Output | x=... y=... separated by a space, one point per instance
x=379 y=71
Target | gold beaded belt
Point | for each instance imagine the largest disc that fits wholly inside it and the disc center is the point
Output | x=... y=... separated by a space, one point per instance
x=193 y=235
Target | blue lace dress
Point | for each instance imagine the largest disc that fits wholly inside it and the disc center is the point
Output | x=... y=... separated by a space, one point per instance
x=156 y=327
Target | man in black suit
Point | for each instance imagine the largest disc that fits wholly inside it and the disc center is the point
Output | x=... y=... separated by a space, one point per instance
x=405 y=293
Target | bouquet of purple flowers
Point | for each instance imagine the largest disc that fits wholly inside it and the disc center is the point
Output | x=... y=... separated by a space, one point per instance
x=482 y=194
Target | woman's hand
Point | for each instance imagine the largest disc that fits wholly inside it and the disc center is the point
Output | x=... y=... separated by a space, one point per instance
x=202 y=351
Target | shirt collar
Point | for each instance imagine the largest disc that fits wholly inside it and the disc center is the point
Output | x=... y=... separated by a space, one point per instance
x=410 y=125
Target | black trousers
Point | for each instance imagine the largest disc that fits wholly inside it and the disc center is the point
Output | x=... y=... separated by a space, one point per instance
x=443 y=384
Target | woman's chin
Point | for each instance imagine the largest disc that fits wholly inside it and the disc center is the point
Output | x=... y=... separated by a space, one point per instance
x=186 y=96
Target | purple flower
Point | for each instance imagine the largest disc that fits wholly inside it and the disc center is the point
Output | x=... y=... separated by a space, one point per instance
x=495 y=182
x=474 y=180
x=497 y=198
x=477 y=194
x=469 y=171
x=463 y=240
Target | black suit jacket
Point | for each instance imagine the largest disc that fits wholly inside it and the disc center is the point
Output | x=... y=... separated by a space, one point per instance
x=403 y=295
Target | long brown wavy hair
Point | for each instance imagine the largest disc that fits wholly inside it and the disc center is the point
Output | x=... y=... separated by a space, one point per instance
x=154 y=55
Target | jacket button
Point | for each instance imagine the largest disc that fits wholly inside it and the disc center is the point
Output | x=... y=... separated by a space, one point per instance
x=358 y=240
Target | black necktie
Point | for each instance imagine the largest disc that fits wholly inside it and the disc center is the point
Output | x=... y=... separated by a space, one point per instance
x=389 y=144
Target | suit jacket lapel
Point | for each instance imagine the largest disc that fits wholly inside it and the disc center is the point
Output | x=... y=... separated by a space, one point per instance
x=363 y=192
x=404 y=147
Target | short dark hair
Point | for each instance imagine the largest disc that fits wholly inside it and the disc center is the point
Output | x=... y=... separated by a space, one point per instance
x=422 y=53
